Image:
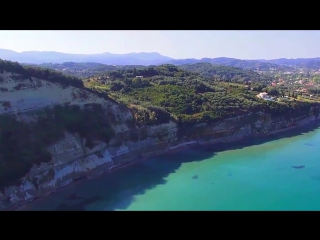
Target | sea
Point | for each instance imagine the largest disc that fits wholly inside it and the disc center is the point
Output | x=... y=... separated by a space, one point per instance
x=279 y=172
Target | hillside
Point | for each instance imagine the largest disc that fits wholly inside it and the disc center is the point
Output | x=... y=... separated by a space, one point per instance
x=56 y=129
x=226 y=73
x=233 y=62
x=38 y=106
x=82 y=70
x=281 y=64
x=220 y=72
x=187 y=96
x=308 y=63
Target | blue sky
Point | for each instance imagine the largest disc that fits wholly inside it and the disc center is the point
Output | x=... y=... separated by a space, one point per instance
x=174 y=43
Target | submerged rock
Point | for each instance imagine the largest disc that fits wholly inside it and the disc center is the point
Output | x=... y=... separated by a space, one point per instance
x=195 y=177
x=300 y=166
x=310 y=144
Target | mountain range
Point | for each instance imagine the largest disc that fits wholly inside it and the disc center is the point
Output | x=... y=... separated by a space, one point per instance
x=36 y=57
x=152 y=58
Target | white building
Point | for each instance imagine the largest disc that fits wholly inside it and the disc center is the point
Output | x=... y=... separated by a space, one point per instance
x=107 y=156
x=264 y=96
x=122 y=150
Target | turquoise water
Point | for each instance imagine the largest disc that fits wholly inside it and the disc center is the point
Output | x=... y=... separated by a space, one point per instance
x=250 y=175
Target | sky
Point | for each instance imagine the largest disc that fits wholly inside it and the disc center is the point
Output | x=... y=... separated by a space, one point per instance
x=177 y=44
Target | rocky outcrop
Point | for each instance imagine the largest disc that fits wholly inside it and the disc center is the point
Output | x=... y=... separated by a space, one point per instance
x=23 y=97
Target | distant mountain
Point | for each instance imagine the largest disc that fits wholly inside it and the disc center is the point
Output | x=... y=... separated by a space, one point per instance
x=183 y=61
x=35 y=57
x=154 y=58
x=297 y=62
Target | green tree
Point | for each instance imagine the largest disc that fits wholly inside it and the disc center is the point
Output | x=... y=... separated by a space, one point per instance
x=316 y=80
x=273 y=92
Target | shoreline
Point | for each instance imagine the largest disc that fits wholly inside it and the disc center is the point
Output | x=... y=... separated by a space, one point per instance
x=142 y=158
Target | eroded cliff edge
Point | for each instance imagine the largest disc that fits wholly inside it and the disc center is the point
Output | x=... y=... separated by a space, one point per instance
x=73 y=157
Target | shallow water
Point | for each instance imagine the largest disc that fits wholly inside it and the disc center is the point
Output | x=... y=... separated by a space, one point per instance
x=255 y=174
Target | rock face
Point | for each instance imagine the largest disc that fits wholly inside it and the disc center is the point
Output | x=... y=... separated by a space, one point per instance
x=71 y=161
x=23 y=97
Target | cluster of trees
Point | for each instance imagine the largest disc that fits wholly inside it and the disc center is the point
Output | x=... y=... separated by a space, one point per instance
x=130 y=72
x=23 y=145
x=226 y=73
x=316 y=80
x=18 y=150
x=233 y=62
x=150 y=115
x=82 y=70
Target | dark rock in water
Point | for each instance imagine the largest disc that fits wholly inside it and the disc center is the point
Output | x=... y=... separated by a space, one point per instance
x=195 y=177
x=302 y=166
x=310 y=144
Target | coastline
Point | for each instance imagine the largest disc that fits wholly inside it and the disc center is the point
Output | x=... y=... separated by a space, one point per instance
x=134 y=160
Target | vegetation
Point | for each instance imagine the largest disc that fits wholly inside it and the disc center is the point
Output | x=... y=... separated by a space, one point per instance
x=22 y=145
x=82 y=70
x=41 y=73
x=226 y=73
x=189 y=97
x=258 y=65
x=28 y=71
x=187 y=94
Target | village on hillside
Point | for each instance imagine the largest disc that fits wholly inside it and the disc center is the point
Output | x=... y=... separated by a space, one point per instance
x=292 y=86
